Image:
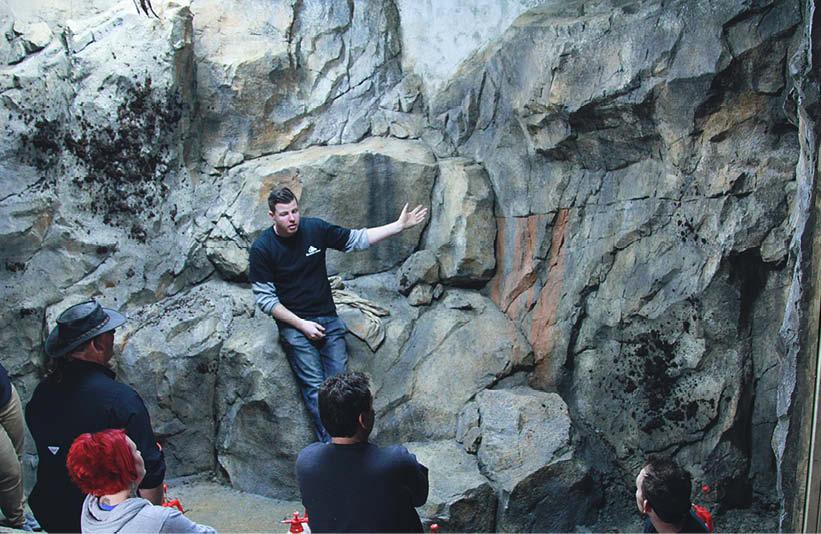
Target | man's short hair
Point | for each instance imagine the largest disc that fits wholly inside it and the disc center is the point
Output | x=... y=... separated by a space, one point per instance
x=342 y=398
x=280 y=195
x=667 y=487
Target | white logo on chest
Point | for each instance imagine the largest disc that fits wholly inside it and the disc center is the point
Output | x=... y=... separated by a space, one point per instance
x=312 y=250
x=54 y=450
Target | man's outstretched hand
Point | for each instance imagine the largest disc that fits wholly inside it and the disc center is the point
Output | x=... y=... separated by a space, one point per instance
x=411 y=218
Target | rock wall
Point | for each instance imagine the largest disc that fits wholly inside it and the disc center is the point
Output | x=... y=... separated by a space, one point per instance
x=616 y=261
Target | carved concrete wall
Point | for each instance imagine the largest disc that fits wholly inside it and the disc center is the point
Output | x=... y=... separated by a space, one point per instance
x=616 y=257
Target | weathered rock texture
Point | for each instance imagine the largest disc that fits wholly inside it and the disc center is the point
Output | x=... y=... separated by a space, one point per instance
x=616 y=262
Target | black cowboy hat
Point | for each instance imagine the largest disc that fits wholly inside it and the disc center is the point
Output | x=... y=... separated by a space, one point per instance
x=78 y=324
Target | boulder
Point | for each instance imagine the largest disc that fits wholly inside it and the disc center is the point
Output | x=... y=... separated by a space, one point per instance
x=460 y=499
x=421 y=266
x=171 y=356
x=356 y=186
x=462 y=229
x=208 y=366
x=421 y=295
x=262 y=421
x=530 y=448
x=441 y=368
x=275 y=77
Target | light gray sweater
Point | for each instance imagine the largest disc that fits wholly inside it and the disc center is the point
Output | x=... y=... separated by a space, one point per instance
x=133 y=516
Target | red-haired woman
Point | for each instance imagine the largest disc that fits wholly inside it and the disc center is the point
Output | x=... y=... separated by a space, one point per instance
x=108 y=467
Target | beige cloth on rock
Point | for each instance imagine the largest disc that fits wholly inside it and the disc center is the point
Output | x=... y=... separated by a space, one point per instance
x=370 y=328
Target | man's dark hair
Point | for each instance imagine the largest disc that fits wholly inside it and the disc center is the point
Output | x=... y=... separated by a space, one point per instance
x=342 y=398
x=280 y=195
x=667 y=487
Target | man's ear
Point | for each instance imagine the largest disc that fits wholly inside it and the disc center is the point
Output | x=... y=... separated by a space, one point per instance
x=645 y=507
x=361 y=419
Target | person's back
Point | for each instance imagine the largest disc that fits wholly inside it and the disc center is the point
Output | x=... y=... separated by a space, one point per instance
x=108 y=467
x=81 y=395
x=350 y=485
x=135 y=516
x=84 y=399
x=361 y=488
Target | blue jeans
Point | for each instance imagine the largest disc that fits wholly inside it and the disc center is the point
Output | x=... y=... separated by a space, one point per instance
x=314 y=361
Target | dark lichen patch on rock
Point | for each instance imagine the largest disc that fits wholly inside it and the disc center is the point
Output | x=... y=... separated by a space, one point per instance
x=40 y=148
x=119 y=165
x=649 y=376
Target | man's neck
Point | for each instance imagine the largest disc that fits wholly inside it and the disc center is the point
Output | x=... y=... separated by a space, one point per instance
x=353 y=440
x=361 y=436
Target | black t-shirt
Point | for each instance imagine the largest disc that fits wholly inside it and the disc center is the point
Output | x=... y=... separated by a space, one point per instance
x=361 y=488
x=296 y=265
x=84 y=397
x=693 y=524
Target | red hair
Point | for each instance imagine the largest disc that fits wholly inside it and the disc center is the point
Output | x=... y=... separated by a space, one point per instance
x=101 y=463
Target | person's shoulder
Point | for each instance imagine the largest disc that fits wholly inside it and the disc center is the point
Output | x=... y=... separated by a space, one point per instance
x=264 y=239
x=312 y=449
x=311 y=454
x=397 y=452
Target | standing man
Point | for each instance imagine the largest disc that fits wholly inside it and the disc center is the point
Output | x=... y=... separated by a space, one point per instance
x=290 y=282
x=81 y=395
x=12 y=432
x=663 y=495
x=350 y=485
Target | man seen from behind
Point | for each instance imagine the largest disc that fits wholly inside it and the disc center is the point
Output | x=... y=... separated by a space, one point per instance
x=81 y=395
x=663 y=495
x=351 y=485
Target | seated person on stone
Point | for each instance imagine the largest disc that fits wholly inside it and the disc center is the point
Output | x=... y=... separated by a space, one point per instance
x=108 y=467
x=350 y=485
x=663 y=491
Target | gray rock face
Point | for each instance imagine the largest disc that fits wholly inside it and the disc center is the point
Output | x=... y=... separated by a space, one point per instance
x=460 y=498
x=209 y=344
x=462 y=228
x=356 y=186
x=618 y=255
x=528 y=445
x=422 y=266
x=303 y=74
x=442 y=367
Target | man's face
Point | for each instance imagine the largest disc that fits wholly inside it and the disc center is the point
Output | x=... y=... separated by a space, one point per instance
x=107 y=344
x=639 y=492
x=286 y=218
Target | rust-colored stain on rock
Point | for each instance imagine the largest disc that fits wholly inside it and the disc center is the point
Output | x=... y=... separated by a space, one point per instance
x=514 y=285
x=543 y=317
x=516 y=271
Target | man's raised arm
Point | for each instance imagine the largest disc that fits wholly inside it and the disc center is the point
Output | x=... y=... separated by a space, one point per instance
x=406 y=220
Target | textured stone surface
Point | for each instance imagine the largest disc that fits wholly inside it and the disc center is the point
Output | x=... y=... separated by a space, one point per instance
x=625 y=190
x=528 y=445
x=422 y=266
x=356 y=186
x=460 y=499
x=462 y=228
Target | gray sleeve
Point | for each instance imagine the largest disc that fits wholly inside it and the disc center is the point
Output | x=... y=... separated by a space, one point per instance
x=176 y=522
x=265 y=294
x=358 y=240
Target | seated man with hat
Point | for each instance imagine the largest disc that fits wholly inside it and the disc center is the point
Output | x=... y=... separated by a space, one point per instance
x=80 y=395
